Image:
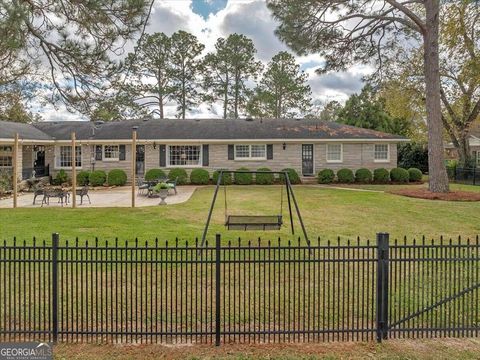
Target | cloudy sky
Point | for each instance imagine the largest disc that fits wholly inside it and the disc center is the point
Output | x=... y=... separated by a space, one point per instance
x=211 y=19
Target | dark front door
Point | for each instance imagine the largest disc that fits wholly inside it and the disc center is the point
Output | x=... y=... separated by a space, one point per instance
x=307 y=159
x=39 y=161
x=140 y=169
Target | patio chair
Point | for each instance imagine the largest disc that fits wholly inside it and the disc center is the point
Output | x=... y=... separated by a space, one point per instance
x=142 y=186
x=37 y=191
x=174 y=183
x=62 y=196
x=82 y=193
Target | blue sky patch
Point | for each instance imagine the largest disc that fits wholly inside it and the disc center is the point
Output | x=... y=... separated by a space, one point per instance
x=207 y=7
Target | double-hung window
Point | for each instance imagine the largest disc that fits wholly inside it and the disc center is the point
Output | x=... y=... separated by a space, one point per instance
x=381 y=153
x=111 y=152
x=185 y=155
x=64 y=157
x=6 y=157
x=251 y=152
x=334 y=153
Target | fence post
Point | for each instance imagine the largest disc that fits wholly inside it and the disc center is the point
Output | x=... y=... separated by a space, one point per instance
x=55 y=238
x=382 y=285
x=217 y=290
x=474 y=173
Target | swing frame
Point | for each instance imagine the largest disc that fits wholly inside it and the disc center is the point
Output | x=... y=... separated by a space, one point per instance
x=249 y=225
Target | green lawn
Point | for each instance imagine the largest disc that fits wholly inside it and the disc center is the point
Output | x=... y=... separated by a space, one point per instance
x=327 y=213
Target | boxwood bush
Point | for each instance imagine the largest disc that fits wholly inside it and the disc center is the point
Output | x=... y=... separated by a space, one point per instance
x=399 y=175
x=180 y=175
x=154 y=174
x=292 y=175
x=82 y=178
x=264 y=179
x=363 y=176
x=326 y=176
x=345 y=176
x=226 y=178
x=381 y=176
x=117 y=177
x=60 y=178
x=243 y=178
x=97 y=178
x=199 y=177
x=414 y=174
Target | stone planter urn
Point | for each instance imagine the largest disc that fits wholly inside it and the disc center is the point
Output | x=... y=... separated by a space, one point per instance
x=163 y=193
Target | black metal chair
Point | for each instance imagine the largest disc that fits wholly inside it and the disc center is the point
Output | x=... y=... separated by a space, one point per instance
x=142 y=185
x=174 y=183
x=37 y=192
x=82 y=193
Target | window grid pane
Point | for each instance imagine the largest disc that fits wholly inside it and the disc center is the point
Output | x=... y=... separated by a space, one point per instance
x=111 y=152
x=381 y=152
x=184 y=155
x=6 y=158
x=334 y=152
x=66 y=156
x=258 y=151
x=242 y=151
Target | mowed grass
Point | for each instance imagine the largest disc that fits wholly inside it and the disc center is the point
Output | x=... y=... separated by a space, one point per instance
x=327 y=213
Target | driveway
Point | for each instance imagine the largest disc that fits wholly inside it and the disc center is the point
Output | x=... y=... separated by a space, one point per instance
x=106 y=197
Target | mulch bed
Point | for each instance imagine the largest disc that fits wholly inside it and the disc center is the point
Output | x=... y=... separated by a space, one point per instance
x=428 y=195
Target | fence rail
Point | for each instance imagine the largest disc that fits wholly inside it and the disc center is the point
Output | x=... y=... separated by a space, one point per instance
x=251 y=292
x=468 y=176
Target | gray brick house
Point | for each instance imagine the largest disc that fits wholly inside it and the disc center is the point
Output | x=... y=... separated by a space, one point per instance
x=307 y=145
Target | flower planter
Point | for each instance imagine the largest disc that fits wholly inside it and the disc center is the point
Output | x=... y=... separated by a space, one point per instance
x=163 y=194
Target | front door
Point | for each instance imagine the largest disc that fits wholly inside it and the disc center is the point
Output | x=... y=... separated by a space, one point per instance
x=307 y=159
x=140 y=169
x=39 y=161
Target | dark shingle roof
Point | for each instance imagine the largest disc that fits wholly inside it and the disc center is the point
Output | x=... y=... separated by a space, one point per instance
x=215 y=129
x=25 y=131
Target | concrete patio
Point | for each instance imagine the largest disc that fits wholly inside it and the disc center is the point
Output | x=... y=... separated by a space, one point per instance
x=104 y=197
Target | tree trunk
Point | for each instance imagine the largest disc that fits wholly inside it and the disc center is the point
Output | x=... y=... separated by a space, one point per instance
x=438 y=180
x=464 y=149
x=225 y=99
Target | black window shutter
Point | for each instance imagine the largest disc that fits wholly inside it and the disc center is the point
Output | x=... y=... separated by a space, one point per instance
x=231 y=152
x=163 y=155
x=205 y=155
x=98 y=153
x=269 y=152
x=121 y=152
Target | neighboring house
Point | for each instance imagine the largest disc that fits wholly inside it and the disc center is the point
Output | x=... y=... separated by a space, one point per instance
x=473 y=142
x=304 y=145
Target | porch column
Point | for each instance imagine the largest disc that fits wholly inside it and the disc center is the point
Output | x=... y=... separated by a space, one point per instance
x=15 y=171
x=74 y=171
x=134 y=163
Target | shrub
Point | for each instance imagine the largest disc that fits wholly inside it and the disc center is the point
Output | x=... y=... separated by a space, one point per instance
x=363 y=176
x=399 y=175
x=226 y=178
x=117 y=177
x=199 y=177
x=180 y=175
x=345 y=176
x=60 y=178
x=292 y=175
x=326 y=176
x=83 y=178
x=97 y=178
x=414 y=174
x=154 y=174
x=264 y=179
x=413 y=155
x=381 y=176
x=243 y=178
x=451 y=168
x=6 y=182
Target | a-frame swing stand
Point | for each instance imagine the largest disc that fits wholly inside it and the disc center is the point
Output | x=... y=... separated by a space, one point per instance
x=257 y=222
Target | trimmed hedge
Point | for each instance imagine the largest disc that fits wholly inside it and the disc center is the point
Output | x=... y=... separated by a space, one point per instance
x=264 y=179
x=414 y=174
x=60 y=178
x=399 y=175
x=83 y=178
x=363 y=176
x=381 y=176
x=326 y=176
x=199 y=177
x=292 y=175
x=179 y=174
x=345 y=176
x=97 y=178
x=154 y=174
x=226 y=178
x=117 y=177
x=243 y=178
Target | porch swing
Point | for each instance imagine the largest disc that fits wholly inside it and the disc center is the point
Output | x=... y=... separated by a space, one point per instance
x=256 y=222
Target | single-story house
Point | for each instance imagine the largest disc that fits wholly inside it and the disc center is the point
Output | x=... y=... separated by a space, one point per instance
x=473 y=143
x=306 y=145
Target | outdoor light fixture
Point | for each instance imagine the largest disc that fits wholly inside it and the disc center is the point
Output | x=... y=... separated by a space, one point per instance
x=154 y=145
x=284 y=146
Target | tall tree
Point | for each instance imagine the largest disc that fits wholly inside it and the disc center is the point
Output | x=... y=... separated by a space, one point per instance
x=227 y=71
x=185 y=70
x=150 y=75
x=283 y=90
x=346 y=32
x=74 y=38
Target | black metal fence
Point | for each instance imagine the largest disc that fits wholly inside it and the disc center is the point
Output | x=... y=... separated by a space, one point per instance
x=251 y=292
x=468 y=176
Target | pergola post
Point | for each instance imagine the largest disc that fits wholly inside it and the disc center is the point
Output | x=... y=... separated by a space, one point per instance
x=134 y=164
x=74 y=171
x=15 y=171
